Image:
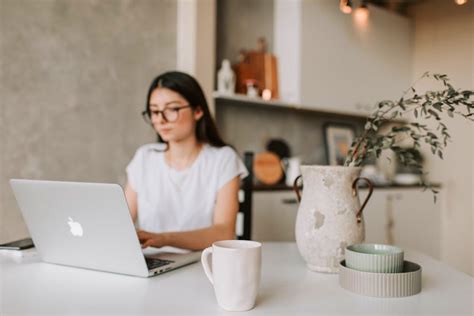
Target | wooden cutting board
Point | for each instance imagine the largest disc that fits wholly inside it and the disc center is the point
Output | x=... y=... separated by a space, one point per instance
x=267 y=168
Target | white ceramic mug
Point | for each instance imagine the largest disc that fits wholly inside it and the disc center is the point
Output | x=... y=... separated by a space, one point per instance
x=235 y=272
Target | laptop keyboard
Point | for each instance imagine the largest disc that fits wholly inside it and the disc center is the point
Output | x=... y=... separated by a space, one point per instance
x=153 y=263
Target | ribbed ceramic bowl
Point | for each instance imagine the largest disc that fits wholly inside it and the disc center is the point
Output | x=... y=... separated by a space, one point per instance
x=402 y=284
x=374 y=258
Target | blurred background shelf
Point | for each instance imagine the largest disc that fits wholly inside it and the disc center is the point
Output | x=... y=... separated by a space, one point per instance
x=288 y=105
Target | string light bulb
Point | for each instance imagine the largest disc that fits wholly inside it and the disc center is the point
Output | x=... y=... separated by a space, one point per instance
x=460 y=2
x=345 y=6
x=361 y=14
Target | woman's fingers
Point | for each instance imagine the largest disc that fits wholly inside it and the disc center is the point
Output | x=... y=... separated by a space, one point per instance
x=147 y=243
x=149 y=239
x=142 y=235
x=145 y=238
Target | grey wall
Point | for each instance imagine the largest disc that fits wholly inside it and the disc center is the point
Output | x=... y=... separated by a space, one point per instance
x=239 y=24
x=74 y=76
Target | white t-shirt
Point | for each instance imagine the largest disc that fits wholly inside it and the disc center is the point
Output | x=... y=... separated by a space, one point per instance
x=171 y=200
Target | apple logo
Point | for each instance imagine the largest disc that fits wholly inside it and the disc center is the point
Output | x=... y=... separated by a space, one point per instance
x=76 y=228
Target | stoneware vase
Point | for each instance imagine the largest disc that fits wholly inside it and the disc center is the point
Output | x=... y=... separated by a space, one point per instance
x=329 y=215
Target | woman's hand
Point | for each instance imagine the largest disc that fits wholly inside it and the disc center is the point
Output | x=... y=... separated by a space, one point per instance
x=150 y=239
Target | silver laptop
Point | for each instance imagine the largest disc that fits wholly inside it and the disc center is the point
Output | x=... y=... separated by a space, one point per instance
x=88 y=225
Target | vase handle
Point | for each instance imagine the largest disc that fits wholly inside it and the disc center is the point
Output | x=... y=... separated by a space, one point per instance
x=354 y=193
x=297 y=189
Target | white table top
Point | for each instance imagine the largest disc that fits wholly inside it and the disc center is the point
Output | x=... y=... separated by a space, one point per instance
x=28 y=286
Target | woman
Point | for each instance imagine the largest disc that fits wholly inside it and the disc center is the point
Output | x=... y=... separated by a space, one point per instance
x=183 y=190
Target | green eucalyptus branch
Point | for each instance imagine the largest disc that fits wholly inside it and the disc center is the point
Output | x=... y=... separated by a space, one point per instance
x=427 y=107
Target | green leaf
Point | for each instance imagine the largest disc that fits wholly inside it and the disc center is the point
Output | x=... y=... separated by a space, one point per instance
x=430 y=111
x=400 y=129
x=438 y=106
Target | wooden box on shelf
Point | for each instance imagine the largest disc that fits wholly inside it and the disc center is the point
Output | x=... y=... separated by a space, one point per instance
x=260 y=67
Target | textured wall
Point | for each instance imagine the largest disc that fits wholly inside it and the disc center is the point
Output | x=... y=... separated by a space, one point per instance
x=74 y=76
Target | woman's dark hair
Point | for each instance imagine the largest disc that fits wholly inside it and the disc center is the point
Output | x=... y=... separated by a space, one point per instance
x=189 y=88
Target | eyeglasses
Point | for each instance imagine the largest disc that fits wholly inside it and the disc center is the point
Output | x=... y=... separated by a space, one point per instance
x=168 y=114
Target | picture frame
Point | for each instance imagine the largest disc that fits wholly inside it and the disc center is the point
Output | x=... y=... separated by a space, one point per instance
x=338 y=138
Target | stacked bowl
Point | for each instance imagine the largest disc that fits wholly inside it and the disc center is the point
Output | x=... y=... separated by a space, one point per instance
x=379 y=270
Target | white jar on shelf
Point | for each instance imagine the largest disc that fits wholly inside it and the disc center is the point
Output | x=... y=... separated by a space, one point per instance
x=225 y=78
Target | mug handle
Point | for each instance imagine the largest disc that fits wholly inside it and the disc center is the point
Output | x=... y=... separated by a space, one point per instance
x=354 y=193
x=296 y=188
x=206 y=263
